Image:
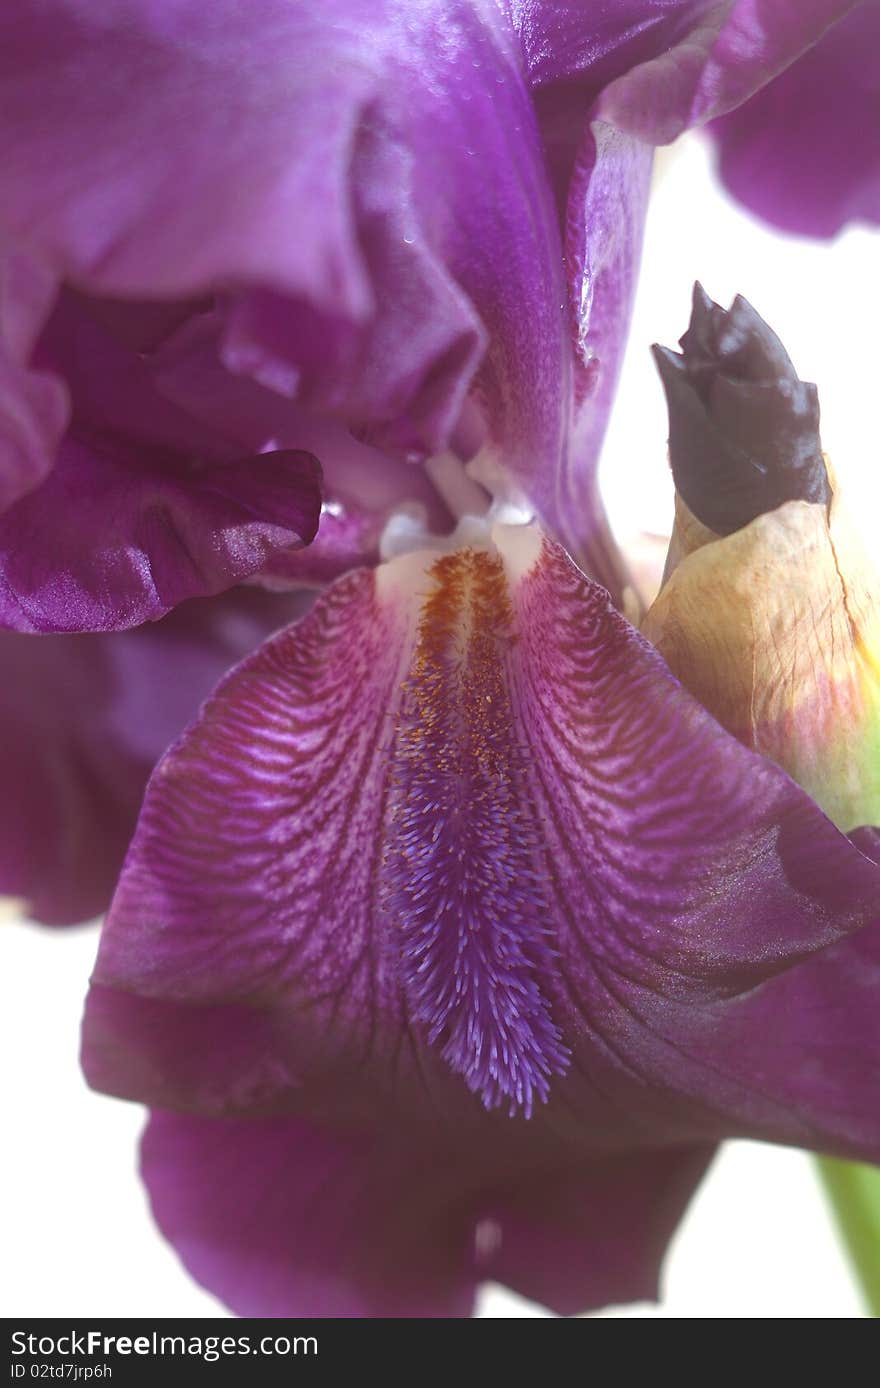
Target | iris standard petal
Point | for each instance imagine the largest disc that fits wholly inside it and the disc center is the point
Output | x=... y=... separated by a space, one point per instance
x=608 y=82
x=281 y=1218
x=476 y=821
x=343 y=194
x=83 y=721
x=605 y=216
x=413 y=280
x=567 y=40
x=724 y=53
x=804 y=153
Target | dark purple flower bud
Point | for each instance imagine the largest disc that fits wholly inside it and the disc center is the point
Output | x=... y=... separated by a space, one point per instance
x=743 y=427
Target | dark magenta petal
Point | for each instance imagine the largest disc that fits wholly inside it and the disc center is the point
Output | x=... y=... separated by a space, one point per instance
x=106 y=542
x=83 y=721
x=795 y=1060
x=474 y=741
x=804 y=153
x=576 y=1240
x=170 y=503
x=566 y=40
x=664 y=65
x=312 y=856
x=226 y=1058
x=281 y=1218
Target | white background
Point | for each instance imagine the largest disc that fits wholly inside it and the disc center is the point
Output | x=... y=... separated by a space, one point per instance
x=76 y=1235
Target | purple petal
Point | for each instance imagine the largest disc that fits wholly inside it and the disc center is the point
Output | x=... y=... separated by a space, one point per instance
x=33 y=404
x=326 y=126
x=795 y=1060
x=478 y=830
x=577 y=40
x=168 y=505
x=133 y=197
x=726 y=52
x=867 y=839
x=279 y=1218
x=301 y=849
x=576 y=1240
x=361 y=484
x=225 y=1058
x=83 y=720
x=804 y=153
x=171 y=535
x=666 y=992
x=412 y=281
x=665 y=65
x=607 y=201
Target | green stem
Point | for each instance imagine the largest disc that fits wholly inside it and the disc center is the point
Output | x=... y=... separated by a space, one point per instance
x=854 y=1192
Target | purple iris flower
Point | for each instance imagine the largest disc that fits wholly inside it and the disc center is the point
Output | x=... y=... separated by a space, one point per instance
x=454 y=931
x=234 y=239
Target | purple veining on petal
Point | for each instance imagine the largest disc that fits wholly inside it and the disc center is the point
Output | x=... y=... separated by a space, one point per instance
x=298 y=787
x=681 y=870
x=83 y=720
x=654 y=817
x=462 y=867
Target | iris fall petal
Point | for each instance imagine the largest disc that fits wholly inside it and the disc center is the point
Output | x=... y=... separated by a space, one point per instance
x=279 y=1218
x=477 y=826
x=83 y=721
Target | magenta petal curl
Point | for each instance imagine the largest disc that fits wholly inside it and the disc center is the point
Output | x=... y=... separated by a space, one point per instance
x=174 y=535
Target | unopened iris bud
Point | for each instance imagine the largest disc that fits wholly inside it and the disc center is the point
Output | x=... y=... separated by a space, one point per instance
x=770 y=608
x=743 y=428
